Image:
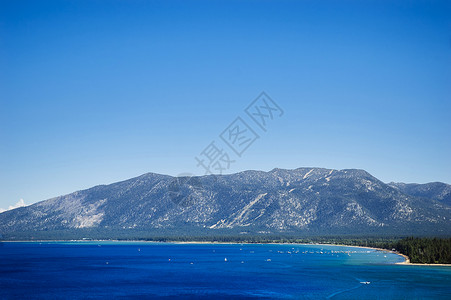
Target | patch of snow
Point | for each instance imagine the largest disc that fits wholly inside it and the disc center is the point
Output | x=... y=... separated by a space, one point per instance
x=89 y=220
x=90 y=215
x=308 y=173
x=219 y=223
x=239 y=219
x=245 y=209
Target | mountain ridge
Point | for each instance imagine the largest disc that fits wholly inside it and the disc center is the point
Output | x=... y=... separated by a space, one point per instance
x=281 y=201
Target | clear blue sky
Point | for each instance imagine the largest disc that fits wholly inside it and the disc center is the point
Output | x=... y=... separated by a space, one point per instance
x=94 y=92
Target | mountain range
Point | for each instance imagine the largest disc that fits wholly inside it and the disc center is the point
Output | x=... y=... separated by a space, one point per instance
x=299 y=202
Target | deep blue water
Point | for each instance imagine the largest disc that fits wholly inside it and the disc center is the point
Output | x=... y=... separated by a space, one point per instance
x=60 y=270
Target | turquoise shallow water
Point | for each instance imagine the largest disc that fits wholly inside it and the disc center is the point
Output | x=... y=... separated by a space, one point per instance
x=81 y=270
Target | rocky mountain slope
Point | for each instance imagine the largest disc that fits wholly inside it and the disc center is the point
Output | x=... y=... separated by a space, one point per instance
x=435 y=190
x=303 y=201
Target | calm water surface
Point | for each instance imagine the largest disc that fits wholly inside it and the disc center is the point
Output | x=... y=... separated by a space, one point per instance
x=90 y=270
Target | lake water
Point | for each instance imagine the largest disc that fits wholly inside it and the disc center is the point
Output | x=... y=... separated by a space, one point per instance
x=74 y=270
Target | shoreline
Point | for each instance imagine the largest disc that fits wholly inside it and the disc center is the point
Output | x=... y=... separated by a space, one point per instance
x=406 y=261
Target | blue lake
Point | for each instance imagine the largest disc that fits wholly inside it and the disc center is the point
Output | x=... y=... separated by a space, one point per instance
x=80 y=270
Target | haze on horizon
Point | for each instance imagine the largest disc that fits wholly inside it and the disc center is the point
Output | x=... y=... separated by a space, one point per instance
x=93 y=93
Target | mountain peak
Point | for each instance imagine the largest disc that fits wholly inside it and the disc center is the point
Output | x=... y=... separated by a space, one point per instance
x=298 y=202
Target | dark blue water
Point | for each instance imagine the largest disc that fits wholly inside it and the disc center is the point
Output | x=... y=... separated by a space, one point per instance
x=149 y=270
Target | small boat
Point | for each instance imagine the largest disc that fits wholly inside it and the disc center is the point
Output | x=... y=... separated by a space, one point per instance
x=365 y=282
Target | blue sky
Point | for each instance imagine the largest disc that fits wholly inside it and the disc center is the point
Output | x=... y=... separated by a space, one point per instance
x=93 y=92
